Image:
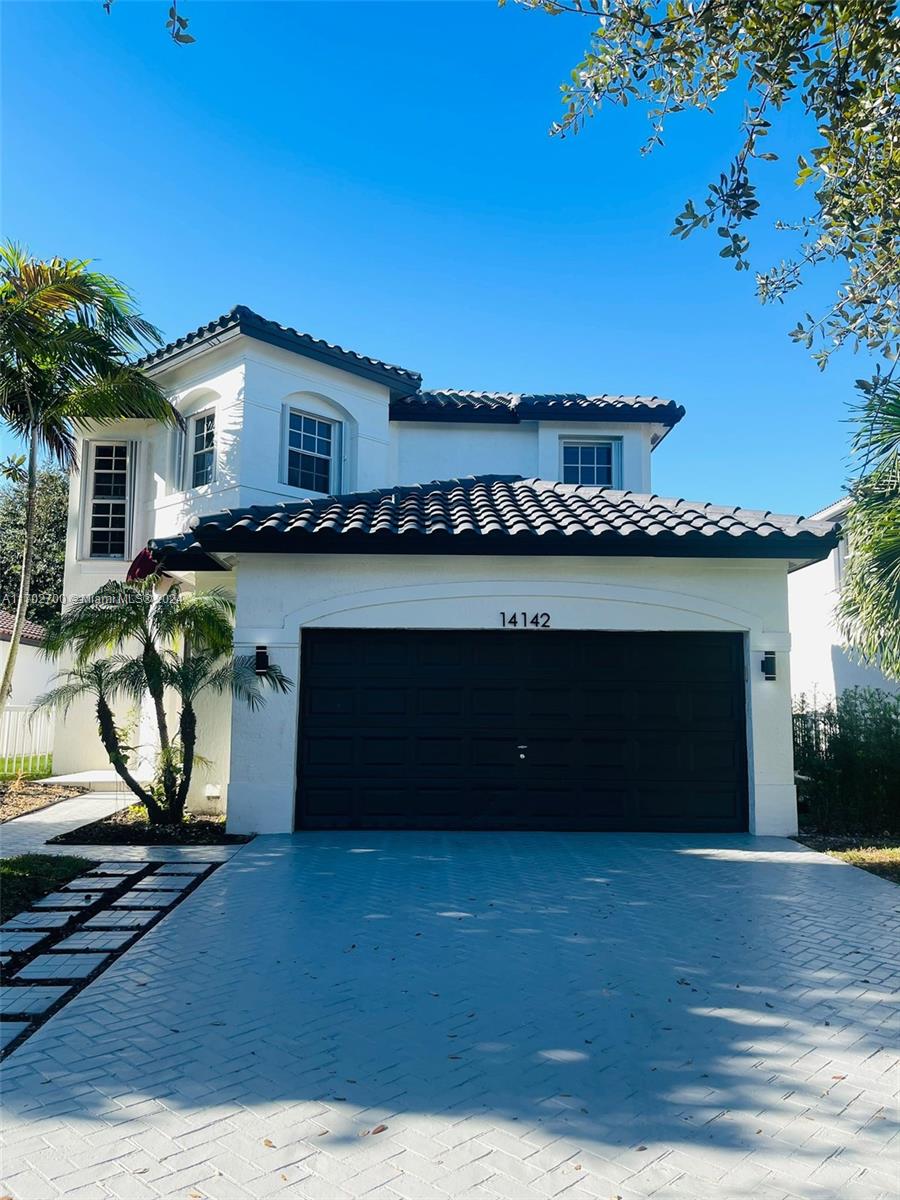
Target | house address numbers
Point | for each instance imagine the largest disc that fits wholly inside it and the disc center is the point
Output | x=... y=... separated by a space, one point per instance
x=525 y=620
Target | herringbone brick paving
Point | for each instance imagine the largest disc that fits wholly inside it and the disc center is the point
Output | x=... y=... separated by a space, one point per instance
x=525 y=1015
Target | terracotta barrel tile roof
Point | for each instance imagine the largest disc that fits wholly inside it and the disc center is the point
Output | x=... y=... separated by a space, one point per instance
x=32 y=633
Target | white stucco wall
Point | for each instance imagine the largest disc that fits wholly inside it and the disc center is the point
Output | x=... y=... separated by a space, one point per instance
x=425 y=451
x=32 y=676
x=278 y=596
x=821 y=665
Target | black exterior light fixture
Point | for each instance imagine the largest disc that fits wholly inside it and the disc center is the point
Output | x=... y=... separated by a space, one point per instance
x=261 y=665
x=767 y=665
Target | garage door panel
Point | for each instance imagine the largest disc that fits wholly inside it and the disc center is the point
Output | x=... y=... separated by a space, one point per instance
x=405 y=729
x=444 y=752
x=688 y=757
x=704 y=803
x=330 y=701
x=441 y=701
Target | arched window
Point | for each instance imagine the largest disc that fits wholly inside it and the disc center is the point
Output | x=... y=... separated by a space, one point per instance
x=317 y=444
x=195 y=456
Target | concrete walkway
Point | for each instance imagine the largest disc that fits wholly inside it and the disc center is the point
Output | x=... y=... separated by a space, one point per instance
x=28 y=834
x=482 y=1016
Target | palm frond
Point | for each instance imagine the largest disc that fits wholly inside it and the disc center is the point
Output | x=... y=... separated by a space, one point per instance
x=203 y=619
x=104 y=621
x=94 y=678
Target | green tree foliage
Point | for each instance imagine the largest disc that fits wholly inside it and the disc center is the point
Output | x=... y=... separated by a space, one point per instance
x=870 y=595
x=839 y=62
x=67 y=334
x=51 y=512
x=176 y=24
x=848 y=756
x=128 y=641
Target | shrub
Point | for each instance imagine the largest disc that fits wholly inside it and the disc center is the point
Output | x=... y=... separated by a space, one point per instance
x=847 y=754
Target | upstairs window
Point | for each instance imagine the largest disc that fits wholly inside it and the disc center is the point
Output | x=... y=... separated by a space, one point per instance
x=203 y=449
x=108 y=494
x=591 y=462
x=311 y=453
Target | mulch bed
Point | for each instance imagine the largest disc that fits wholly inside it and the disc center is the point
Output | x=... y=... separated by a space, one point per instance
x=21 y=796
x=130 y=827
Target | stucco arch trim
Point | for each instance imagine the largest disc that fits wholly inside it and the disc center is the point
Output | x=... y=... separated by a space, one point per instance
x=442 y=605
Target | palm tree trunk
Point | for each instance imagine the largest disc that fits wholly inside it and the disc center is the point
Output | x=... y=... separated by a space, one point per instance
x=188 y=729
x=152 y=672
x=110 y=739
x=25 y=580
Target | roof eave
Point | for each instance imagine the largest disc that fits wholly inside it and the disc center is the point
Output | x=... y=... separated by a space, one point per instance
x=798 y=549
x=251 y=325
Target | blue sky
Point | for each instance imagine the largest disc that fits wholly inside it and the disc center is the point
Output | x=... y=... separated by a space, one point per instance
x=380 y=175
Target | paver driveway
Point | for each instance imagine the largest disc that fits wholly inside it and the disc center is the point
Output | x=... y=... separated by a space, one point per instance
x=526 y=1014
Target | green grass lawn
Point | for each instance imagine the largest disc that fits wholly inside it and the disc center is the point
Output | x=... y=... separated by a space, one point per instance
x=27 y=877
x=880 y=856
x=32 y=766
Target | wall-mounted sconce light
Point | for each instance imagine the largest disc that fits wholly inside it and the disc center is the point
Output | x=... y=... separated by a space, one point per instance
x=767 y=664
x=262 y=660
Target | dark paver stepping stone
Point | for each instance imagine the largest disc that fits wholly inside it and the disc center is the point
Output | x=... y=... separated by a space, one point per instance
x=135 y=899
x=96 y=939
x=181 y=869
x=96 y=883
x=118 y=868
x=166 y=883
x=67 y=900
x=61 y=966
x=115 y=919
x=30 y=999
x=13 y=943
x=36 y=920
x=10 y=1030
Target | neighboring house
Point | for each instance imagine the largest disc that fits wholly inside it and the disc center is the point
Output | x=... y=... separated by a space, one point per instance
x=821 y=665
x=534 y=641
x=33 y=674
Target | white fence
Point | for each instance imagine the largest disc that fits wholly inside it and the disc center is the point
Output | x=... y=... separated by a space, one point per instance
x=26 y=741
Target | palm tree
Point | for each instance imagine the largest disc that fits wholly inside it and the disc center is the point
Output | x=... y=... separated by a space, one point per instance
x=183 y=644
x=869 y=608
x=66 y=336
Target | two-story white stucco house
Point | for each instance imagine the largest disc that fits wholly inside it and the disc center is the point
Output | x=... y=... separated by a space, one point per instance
x=533 y=641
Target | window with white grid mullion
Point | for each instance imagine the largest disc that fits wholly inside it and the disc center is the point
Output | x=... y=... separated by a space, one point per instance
x=310 y=453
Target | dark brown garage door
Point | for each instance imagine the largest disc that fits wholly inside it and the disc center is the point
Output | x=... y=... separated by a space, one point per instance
x=422 y=729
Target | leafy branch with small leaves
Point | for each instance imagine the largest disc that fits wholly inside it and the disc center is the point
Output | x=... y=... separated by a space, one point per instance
x=839 y=61
x=176 y=24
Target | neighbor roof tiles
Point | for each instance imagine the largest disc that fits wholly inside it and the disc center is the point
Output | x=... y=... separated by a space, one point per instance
x=32 y=633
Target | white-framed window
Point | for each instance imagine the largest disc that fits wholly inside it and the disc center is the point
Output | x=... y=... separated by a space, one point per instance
x=202 y=449
x=312 y=452
x=108 y=499
x=594 y=461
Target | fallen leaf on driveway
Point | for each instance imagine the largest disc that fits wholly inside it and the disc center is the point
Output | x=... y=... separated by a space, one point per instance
x=379 y=1129
x=839 y=1077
